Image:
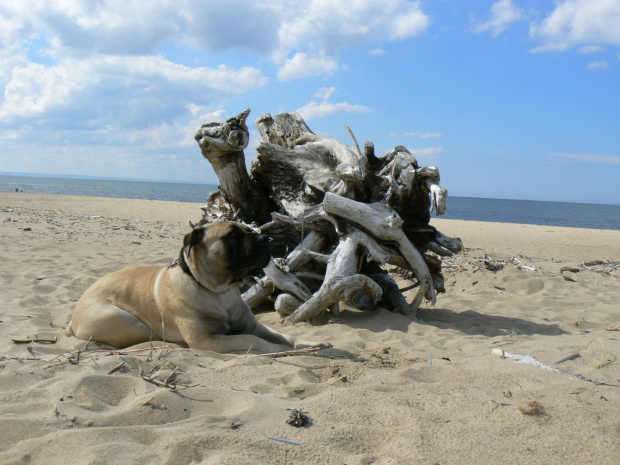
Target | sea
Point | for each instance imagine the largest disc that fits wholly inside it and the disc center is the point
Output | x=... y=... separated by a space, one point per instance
x=575 y=215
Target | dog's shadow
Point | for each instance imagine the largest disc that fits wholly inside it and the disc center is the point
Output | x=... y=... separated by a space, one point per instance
x=467 y=322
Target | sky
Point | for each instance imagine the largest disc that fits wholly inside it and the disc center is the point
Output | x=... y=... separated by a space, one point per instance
x=514 y=99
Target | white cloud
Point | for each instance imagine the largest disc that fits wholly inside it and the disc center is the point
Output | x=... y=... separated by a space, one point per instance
x=134 y=28
x=590 y=49
x=14 y=134
x=189 y=130
x=301 y=66
x=88 y=74
x=333 y=25
x=579 y=22
x=320 y=109
x=285 y=30
x=109 y=161
x=411 y=22
x=320 y=28
x=429 y=153
x=419 y=135
x=598 y=65
x=134 y=91
x=375 y=52
x=502 y=14
x=590 y=158
x=121 y=27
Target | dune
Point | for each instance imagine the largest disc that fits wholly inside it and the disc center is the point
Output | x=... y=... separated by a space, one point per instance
x=392 y=390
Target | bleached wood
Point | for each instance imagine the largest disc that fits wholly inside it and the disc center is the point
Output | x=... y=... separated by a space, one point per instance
x=287 y=281
x=321 y=189
x=223 y=144
x=342 y=278
x=298 y=166
x=381 y=221
x=385 y=225
x=286 y=304
x=297 y=258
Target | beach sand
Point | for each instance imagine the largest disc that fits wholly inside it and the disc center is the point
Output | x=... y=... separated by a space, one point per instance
x=392 y=390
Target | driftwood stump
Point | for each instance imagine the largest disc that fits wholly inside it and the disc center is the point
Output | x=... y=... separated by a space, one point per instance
x=336 y=215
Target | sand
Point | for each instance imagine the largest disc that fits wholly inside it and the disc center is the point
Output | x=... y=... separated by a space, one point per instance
x=392 y=390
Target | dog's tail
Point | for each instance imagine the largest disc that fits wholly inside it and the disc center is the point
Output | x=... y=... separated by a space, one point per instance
x=69 y=330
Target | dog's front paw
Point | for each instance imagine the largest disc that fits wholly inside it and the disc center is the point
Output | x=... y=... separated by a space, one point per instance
x=312 y=345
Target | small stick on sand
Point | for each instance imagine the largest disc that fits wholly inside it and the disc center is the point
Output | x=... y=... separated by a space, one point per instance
x=76 y=361
x=117 y=367
x=36 y=339
x=18 y=315
x=382 y=424
x=159 y=383
x=248 y=352
x=170 y=376
x=600 y=365
x=568 y=357
x=288 y=352
x=343 y=377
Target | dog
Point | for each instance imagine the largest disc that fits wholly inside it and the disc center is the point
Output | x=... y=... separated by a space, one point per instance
x=195 y=303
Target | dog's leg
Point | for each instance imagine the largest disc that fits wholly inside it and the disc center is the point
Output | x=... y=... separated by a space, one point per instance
x=225 y=343
x=110 y=325
x=255 y=337
x=198 y=335
x=269 y=334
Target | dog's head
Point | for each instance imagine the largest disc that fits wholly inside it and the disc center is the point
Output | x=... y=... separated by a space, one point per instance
x=220 y=255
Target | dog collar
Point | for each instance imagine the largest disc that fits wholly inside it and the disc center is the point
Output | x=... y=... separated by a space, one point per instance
x=184 y=266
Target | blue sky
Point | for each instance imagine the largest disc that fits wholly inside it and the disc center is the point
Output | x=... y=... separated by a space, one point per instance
x=509 y=99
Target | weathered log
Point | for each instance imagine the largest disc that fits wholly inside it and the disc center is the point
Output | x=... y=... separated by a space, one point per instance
x=341 y=211
x=298 y=167
x=341 y=277
x=222 y=144
x=297 y=258
x=287 y=281
x=391 y=293
x=286 y=304
x=385 y=225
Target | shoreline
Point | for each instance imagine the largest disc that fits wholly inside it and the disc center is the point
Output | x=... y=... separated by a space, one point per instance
x=392 y=389
x=580 y=215
x=577 y=243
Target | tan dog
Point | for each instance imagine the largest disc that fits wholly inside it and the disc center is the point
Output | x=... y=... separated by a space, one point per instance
x=197 y=303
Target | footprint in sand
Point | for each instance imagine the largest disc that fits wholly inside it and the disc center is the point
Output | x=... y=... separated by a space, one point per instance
x=523 y=284
x=44 y=289
x=101 y=392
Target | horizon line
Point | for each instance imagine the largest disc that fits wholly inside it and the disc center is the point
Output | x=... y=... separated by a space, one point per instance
x=168 y=181
x=99 y=178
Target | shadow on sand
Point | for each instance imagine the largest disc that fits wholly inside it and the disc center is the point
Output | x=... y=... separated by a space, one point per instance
x=467 y=322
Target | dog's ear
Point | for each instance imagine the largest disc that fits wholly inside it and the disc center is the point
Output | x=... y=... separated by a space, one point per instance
x=192 y=239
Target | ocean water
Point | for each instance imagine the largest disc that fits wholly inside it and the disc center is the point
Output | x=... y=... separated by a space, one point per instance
x=177 y=192
x=577 y=215
x=574 y=215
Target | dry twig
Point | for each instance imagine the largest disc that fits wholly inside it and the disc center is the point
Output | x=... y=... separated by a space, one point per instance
x=601 y=363
x=116 y=368
x=36 y=339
